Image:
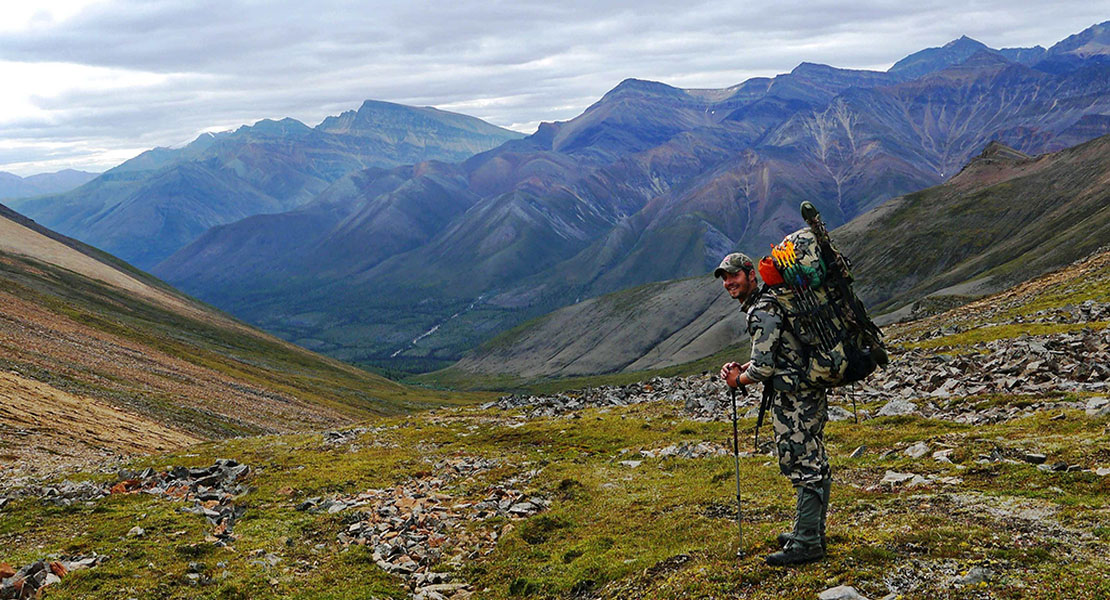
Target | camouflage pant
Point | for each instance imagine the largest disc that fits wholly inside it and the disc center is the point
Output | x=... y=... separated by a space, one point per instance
x=799 y=421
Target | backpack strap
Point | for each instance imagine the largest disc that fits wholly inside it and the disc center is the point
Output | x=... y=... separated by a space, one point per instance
x=764 y=405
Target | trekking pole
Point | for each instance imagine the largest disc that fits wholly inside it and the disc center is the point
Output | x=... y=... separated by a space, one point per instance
x=736 y=459
x=855 y=411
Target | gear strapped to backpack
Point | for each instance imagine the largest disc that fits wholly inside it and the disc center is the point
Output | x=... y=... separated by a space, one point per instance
x=812 y=282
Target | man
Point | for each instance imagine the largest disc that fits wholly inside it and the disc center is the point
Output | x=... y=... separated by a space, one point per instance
x=799 y=412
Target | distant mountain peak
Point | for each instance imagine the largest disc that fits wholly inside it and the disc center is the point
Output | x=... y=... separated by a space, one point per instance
x=283 y=127
x=931 y=60
x=806 y=68
x=645 y=87
x=994 y=154
x=381 y=118
x=963 y=40
x=13 y=186
x=985 y=58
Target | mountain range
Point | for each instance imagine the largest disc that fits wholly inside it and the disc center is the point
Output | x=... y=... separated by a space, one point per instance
x=150 y=206
x=409 y=260
x=409 y=267
x=1004 y=219
x=14 y=186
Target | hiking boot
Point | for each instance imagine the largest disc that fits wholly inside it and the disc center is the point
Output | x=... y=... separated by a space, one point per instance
x=795 y=554
x=804 y=544
x=826 y=489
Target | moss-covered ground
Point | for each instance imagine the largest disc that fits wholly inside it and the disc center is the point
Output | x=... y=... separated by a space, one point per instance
x=615 y=531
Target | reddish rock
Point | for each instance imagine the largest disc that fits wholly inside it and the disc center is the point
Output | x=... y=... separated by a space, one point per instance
x=6 y=571
x=58 y=569
x=125 y=487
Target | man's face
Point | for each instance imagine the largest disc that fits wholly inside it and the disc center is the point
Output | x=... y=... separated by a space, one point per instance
x=737 y=284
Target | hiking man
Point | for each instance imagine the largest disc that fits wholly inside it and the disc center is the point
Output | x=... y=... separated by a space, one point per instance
x=798 y=415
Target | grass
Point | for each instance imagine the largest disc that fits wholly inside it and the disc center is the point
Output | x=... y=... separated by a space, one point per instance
x=990 y=333
x=612 y=531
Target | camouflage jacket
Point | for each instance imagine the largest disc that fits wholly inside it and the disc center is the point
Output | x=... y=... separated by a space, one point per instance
x=777 y=355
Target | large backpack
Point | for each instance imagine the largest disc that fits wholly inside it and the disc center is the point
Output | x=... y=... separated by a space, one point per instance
x=812 y=282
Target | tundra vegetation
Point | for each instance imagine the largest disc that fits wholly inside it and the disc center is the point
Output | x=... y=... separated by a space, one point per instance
x=624 y=504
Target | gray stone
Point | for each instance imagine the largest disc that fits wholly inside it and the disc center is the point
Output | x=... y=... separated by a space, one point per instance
x=975 y=576
x=894 y=478
x=841 y=592
x=444 y=588
x=837 y=413
x=522 y=508
x=632 y=464
x=917 y=450
x=898 y=406
x=858 y=452
x=136 y=531
x=918 y=480
x=1102 y=472
x=943 y=455
x=1098 y=406
x=1032 y=457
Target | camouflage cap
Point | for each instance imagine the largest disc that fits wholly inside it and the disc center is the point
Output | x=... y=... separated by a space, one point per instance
x=733 y=264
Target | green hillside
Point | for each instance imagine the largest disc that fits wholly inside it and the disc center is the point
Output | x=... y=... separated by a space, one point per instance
x=1004 y=218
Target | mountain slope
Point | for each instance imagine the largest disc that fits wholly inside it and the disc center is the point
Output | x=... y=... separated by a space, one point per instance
x=142 y=367
x=1004 y=218
x=647 y=327
x=152 y=205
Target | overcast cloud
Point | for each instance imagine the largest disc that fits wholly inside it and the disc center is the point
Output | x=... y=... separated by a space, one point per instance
x=90 y=83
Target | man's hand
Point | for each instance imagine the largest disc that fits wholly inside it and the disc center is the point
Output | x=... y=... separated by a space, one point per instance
x=729 y=373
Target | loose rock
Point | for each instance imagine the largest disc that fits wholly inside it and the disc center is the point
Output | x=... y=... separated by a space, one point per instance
x=917 y=450
x=841 y=592
x=29 y=581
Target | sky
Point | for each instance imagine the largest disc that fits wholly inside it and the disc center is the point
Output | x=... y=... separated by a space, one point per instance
x=88 y=84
